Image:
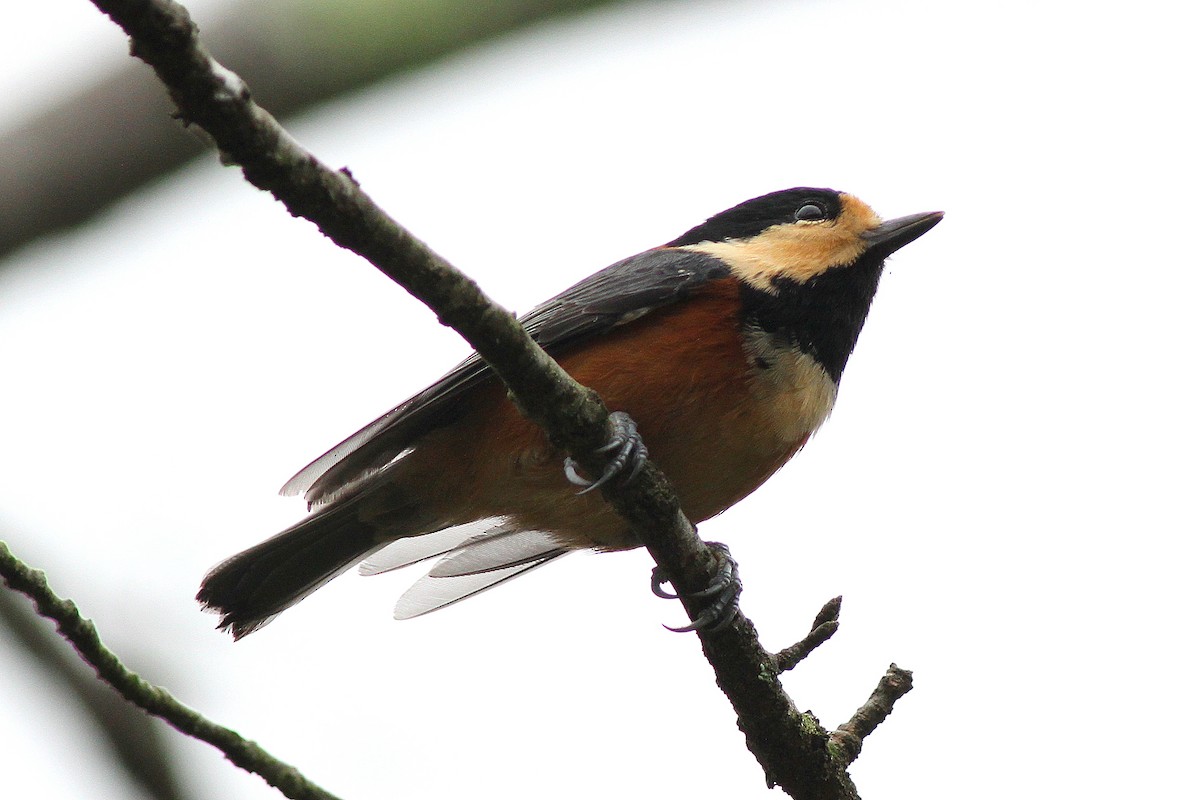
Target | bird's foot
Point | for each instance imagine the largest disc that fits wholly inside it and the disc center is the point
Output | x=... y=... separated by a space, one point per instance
x=629 y=455
x=721 y=593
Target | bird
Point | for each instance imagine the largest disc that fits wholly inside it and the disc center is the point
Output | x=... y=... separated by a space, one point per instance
x=720 y=352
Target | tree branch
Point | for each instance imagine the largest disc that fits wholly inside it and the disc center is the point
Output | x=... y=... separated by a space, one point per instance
x=823 y=628
x=82 y=634
x=847 y=740
x=138 y=744
x=793 y=749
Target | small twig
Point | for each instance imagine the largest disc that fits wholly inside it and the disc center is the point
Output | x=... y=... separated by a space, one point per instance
x=788 y=658
x=84 y=637
x=824 y=626
x=138 y=743
x=847 y=741
x=828 y=613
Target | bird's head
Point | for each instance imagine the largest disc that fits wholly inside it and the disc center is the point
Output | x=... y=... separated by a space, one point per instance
x=797 y=234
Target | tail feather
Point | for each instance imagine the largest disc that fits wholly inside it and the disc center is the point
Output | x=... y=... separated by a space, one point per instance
x=250 y=588
x=254 y=586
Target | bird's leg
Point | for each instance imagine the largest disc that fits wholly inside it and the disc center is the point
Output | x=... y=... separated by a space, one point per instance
x=721 y=593
x=629 y=454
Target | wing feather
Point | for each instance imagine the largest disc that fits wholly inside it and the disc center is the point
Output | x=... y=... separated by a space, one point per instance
x=431 y=593
x=495 y=551
x=410 y=550
x=614 y=296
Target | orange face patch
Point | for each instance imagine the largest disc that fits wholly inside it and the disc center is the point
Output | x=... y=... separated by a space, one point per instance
x=797 y=250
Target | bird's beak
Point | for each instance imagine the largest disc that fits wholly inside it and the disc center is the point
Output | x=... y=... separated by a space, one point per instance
x=888 y=237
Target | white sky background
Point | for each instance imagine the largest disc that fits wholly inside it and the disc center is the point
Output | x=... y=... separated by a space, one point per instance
x=1005 y=494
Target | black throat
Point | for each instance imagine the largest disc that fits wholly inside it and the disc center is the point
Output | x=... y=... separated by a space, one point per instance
x=821 y=316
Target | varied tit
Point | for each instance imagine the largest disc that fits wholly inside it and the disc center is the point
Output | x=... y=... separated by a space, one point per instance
x=725 y=346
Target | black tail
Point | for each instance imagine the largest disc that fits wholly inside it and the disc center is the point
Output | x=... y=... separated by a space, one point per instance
x=249 y=589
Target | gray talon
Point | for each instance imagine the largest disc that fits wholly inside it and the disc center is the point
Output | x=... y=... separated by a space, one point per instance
x=631 y=455
x=571 y=469
x=724 y=590
x=657 y=578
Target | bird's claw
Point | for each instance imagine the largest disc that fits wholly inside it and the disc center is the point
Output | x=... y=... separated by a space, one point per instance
x=658 y=576
x=630 y=455
x=724 y=590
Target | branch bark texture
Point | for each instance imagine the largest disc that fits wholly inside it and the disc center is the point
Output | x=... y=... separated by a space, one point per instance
x=139 y=745
x=83 y=636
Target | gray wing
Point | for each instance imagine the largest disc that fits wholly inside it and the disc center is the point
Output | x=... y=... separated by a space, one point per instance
x=614 y=296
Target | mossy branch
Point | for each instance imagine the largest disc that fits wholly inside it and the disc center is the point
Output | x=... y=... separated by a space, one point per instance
x=84 y=637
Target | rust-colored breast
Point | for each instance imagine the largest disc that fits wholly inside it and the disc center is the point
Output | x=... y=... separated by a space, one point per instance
x=711 y=421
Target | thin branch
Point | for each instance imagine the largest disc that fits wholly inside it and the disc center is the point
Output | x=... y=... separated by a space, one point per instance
x=823 y=628
x=137 y=742
x=791 y=746
x=82 y=634
x=847 y=740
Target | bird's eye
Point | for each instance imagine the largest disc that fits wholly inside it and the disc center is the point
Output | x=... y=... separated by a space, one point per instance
x=810 y=211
